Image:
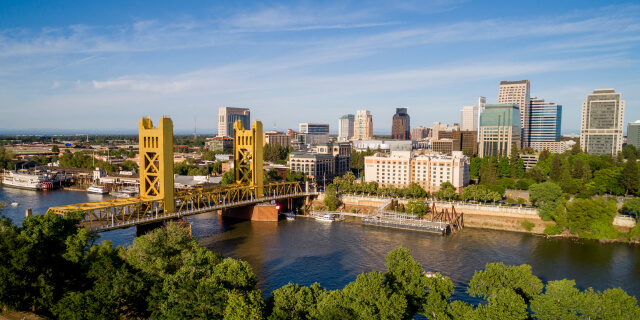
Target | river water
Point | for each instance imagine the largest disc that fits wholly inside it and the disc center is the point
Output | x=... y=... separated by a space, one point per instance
x=305 y=251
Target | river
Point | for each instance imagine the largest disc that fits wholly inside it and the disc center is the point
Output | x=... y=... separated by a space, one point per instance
x=305 y=251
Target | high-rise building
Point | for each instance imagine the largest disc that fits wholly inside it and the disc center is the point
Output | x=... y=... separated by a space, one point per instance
x=401 y=128
x=363 y=125
x=419 y=133
x=469 y=118
x=543 y=129
x=228 y=116
x=345 y=127
x=633 y=134
x=313 y=133
x=517 y=92
x=499 y=129
x=602 y=122
x=480 y=104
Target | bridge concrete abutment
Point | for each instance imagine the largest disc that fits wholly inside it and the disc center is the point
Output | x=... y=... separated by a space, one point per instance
x=256 y=212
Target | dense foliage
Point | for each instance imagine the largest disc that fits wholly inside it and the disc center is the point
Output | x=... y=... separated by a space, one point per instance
x=50 y=266
x=5 y=158
x=348 y=184
x=276 y=153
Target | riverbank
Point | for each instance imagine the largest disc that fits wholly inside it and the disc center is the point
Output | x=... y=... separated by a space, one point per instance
x=473 y=218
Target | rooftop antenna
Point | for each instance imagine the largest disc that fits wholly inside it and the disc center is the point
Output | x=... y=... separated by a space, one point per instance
x=195 y=134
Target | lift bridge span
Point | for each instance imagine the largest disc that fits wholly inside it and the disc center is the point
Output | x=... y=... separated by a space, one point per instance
x=158 y=199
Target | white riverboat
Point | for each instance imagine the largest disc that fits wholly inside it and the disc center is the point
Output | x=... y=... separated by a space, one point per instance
x=326 y=218
x=126 y=192
x=31 y=181
x=98 y=189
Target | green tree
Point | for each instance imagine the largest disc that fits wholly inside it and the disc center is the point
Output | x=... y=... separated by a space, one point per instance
x=228 y=178
x=295 y=302
x=505 y=169
x=630 y=178
x=405 y=276
x=544 y=155
x=55 y=149
x=576 y=149
x=556 y=168
x=331 y=198
x=446 y=191
x=632 y=205
x=417 y=207
x=592 y=218
x=629 y=150
x=607 y=180
x=498 y=276
x=474 y=167
x=547 y=196
x=5 y=158
x=536 y=174
x=514 y=158
x=366 y=298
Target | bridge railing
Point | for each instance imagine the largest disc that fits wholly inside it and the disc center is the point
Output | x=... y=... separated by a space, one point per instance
x=128 y=211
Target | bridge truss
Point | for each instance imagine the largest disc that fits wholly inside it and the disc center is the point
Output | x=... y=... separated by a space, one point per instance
x=159 y=201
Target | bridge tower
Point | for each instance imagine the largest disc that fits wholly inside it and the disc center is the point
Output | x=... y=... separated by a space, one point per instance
x=156 y=162
x=248 y=156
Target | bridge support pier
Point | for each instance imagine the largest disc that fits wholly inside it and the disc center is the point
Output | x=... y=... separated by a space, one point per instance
x=261 y=212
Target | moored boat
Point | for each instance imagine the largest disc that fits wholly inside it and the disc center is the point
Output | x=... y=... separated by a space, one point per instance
x=326 y=217
x=98 y=189
x=31 y=181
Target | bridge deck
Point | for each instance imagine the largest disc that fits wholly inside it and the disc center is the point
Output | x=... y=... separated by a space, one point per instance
x=106 y=225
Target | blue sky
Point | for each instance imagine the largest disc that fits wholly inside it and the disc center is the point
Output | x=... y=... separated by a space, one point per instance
x=103 y=64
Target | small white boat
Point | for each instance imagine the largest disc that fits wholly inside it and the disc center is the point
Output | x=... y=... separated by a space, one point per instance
x=14 y=204
x=290 y=215
x=98 y=189
x=326 y=217
x=430 y=274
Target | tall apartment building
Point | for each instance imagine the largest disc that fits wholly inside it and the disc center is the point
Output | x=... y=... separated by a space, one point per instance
x=400 y=169
x=419 y=133
x=228 y=116
x=313 y=133
x=363 y=125
x=469 y=118
x=517 y=92
x=545 y=120
x=499 y=129
x=602 y=122
x=346 y=127
x=401 y=128
x=633 y=134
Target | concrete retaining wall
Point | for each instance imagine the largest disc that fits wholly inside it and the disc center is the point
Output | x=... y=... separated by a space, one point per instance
x=624 y=221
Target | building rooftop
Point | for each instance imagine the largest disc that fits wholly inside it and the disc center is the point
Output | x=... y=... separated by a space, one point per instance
x=596 y=91
x=514 y=82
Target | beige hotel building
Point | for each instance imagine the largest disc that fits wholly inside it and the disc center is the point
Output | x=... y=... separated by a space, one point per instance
x=401 y=168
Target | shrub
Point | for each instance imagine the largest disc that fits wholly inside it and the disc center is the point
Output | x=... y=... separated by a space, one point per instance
x=521 y=201
x=510 y=200
x=553 y=229
x=527 y=225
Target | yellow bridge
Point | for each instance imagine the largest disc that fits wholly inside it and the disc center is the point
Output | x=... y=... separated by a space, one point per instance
x=158 y=199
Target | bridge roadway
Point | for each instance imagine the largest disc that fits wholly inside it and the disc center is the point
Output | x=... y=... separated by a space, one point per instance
x=156 y=216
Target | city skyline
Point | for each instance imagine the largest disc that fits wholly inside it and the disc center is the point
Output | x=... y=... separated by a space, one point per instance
x=64 y=66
